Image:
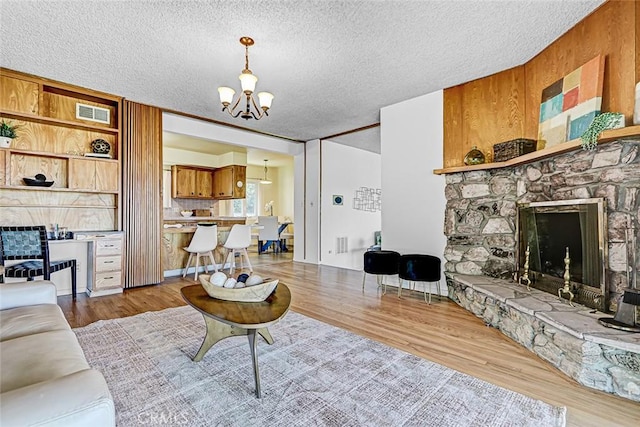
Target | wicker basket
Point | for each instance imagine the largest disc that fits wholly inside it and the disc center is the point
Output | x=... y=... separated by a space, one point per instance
x=514 y=148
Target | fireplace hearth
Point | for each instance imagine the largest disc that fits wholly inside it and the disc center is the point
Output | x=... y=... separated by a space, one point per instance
x=566 y=245
x=481 y=220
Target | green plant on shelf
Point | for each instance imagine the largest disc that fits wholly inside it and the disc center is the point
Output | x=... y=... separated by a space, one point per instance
x=7 y=131
x=599 y=124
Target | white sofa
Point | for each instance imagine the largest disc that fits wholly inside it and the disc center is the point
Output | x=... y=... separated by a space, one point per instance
x=44 y=377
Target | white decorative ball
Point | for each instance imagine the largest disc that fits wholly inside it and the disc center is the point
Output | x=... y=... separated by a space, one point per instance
x=239 y=285
x=230 y=283
x=254 y=279
x=218 y=278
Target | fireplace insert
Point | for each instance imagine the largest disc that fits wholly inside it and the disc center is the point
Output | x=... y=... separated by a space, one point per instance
x=566 y=242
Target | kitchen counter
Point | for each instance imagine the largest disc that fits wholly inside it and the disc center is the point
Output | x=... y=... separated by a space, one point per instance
x=174 y=239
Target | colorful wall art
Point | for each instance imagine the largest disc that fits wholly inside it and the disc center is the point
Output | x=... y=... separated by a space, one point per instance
x=569 y=105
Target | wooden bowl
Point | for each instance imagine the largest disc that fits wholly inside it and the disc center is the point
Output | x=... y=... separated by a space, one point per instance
x=256 y=293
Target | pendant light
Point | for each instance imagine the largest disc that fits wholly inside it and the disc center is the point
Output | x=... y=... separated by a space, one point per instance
x=265 y=180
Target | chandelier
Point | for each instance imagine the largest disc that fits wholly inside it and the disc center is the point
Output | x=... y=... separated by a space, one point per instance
x=248 y=82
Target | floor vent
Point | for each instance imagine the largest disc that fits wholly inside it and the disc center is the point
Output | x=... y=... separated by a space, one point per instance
x=93 y=113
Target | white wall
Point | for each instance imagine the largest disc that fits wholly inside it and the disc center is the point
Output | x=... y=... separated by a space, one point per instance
x=413 y=201
x=344 y=170
x=311 y=209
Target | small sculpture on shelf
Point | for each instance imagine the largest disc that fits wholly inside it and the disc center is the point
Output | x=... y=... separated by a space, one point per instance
x=474 y=157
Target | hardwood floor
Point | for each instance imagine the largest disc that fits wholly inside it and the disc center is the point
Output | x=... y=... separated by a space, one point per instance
x=441 y=332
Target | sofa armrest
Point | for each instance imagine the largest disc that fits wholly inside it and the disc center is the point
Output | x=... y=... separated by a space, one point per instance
x=27 y=293
x=79 y=399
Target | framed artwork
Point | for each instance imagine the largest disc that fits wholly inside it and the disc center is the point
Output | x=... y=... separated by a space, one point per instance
x=569 y=105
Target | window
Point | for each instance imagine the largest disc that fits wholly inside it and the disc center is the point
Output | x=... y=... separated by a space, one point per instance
x=252 y=198
x=249 y=205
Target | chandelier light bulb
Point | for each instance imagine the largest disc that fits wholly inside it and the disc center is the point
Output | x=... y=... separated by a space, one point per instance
x=226 y=95
x=248 y=82
x=265 y=99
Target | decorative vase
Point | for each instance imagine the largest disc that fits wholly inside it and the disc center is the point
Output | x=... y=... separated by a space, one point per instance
x=5 y=142
x=474 y=157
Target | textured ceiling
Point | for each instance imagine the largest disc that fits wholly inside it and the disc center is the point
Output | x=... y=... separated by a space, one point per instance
x=330 y=64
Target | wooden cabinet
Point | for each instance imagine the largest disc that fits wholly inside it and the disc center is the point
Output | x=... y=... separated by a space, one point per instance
x=194 y=182
x=190 y=182
x=183 y=183
x=94 y=175
x=18 y=95
x=229 y=182
x=105 y=262
x=204 y=184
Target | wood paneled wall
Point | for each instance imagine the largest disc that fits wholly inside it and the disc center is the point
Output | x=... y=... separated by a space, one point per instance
x=142 y=194
x=483 y=112
x=506 y=105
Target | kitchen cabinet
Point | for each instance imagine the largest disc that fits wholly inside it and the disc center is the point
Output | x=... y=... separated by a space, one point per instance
x=189 y=182
x=19 y=95
x=229 y=182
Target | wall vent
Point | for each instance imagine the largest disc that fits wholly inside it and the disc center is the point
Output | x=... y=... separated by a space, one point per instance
x=92 y=113
x=342 y=245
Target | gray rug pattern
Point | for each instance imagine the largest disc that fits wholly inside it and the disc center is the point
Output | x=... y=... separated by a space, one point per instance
x=313 y=375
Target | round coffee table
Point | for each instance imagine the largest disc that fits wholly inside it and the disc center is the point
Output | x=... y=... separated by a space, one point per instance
x=230 y=318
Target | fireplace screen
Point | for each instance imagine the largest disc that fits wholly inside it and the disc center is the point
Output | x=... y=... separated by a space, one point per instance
x=551 y=229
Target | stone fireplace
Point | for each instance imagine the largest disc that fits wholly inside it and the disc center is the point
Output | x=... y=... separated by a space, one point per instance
x=481 y=212
x=482 y=256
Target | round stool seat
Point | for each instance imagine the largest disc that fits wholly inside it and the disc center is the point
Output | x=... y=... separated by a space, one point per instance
x=419 y=268
x=381 y=262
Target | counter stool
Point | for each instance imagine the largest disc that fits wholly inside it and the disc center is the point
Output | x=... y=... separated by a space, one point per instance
x=380 y=263
x=203 y=242
x=419 y=268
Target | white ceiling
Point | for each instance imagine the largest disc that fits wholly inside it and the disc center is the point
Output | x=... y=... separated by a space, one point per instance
x=330 y=64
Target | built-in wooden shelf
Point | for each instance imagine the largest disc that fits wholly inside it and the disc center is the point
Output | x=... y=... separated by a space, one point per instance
x=57 y=122
x=57 y=189
x=56 y=155
x=605 y=137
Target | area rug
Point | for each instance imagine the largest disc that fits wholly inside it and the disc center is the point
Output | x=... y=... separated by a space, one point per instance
x=313 y=375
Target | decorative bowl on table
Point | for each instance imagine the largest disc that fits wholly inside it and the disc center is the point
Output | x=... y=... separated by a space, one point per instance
x=255 y=293
x=39 y=180
x=186 y=214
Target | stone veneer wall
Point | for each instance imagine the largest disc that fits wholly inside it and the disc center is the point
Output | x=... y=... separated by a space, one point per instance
x=481 y=207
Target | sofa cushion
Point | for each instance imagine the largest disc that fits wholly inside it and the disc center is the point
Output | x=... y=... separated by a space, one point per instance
x=32 y=319
x=41 y=357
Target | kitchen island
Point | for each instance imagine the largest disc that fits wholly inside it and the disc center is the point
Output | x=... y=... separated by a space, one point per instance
x=177 y=234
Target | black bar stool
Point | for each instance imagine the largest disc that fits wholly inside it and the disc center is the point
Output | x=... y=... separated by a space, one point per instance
x=380 y=263
x=419 y=268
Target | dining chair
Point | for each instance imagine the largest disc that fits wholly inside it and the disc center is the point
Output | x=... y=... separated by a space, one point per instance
x=30 y=243
x=203 y=242
x=238 y=241
x=269 y=232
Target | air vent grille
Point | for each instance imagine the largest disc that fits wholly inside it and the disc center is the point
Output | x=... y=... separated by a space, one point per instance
x=92 y=113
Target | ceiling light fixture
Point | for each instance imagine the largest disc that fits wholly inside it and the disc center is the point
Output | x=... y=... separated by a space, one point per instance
x=265 y=180
x=248 y=82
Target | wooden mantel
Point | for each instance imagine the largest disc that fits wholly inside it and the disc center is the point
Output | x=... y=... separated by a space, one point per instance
x=605 y=137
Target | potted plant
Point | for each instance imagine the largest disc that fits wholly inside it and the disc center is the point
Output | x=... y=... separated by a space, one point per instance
x=599 y=124
x=7 y=133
